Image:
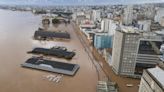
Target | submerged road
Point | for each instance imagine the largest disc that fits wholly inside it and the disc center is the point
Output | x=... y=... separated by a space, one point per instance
x=105 y=68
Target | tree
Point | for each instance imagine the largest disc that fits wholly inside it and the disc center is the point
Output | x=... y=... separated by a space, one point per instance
x=55 y=21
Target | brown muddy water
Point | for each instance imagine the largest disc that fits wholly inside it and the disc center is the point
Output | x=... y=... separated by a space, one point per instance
x=16 y=31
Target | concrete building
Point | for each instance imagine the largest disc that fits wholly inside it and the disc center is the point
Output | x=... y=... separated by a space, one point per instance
x=108 y=26
x=110 y=15
x=128 y=15
x=80 y=18
x=134 y=51
x=88 y=28
x=152 y=80
x=144 y=25
x=76 y=14
x=102 y=41
x=87 y=24
x=159 y=14
x=104 y=86
x=96 y=15
x=105 y=25
x=162 y=21
x=112 y=27
x=88 y=16
x=150 y=11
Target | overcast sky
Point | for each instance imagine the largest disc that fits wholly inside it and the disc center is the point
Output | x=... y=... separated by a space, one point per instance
x=76 y=2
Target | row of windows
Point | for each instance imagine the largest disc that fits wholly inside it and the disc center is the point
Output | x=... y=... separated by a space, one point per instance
x=129 y=49
x=127 y=70
x=129 y=55
x=131 y=42
x=130 y=45
x=128 y=63
x=128 y=60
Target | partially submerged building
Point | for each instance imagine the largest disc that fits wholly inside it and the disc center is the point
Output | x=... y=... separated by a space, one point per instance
x=54 y=51
x=104 y=86
x=51 y=66
x=49 y=35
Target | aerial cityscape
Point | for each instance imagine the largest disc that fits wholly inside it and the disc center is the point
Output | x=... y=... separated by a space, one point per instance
x=82 y=46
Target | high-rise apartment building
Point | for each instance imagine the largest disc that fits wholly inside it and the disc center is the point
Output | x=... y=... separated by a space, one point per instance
x=108 y=26
x=128 y=15
x=96 y=15
x=105 y=25
x=134 y=51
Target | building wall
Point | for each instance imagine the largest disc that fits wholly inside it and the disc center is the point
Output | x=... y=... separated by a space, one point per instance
x=148 y=84
x=159 y=14
x=125 y=53
x=96 y=15
x=109 y=26
x=102 y=41
x=105 y=25
x=128 y=60
x=79 y=19
x=144 y=25
x=148 y=58
x=150 y=11
x=144 y=87
x=128 y=15
x=112 y=27
x=162 y=21
x=117 y=51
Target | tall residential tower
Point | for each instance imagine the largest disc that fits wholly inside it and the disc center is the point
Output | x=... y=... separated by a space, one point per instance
x=134 y=51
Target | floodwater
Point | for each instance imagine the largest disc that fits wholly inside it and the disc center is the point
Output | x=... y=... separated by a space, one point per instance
x=16 y=31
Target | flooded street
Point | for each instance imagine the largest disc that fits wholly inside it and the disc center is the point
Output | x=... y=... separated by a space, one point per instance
x=16 y=31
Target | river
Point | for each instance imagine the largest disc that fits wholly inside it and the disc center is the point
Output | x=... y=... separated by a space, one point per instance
x=16 y=38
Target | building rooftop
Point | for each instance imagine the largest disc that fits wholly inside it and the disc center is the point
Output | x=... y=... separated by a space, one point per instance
x=87 y=24
x=128 y=29
x=48 y=34
x=51 y=66
x=134 y=30
x=60 y=52
x=158 y=74
x=160 y=32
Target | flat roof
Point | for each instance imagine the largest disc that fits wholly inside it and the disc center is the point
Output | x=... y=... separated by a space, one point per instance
x=132 y=30
x=50 y=34
x=128 y=29
x=158 y=74
x=160 y=32
x=58 y=52
x=51 y=66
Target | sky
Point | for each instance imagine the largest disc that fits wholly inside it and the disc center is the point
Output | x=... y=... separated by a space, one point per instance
x=76 y=2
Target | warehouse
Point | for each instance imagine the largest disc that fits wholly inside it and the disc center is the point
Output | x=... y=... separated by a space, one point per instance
x=46 y=35
x=59 y=52
x=51 y=66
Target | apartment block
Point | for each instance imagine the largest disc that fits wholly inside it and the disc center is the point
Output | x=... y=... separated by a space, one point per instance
x=134 y=51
